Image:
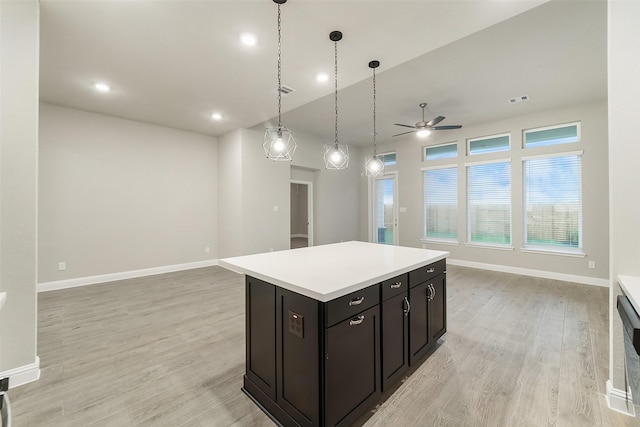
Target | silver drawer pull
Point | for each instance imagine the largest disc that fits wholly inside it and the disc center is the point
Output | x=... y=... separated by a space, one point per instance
x=408 y=309
x=396 y=285
x=431 y=270
x=356 y=301
x=356 y=321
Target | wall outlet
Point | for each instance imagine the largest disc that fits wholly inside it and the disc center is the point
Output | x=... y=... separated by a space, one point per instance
x=207 y=250
x=592 y=264
x=62 y=266
x=403 y=209
x=276 y=208
x=270 y=249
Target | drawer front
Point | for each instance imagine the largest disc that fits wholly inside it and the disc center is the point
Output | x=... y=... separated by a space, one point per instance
x=395 y=286
x=349 y=305
x=427 y=272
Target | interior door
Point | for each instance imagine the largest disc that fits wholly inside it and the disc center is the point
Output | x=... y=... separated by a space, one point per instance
x=385 y=210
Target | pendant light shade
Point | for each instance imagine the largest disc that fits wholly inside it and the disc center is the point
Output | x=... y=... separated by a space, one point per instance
x=336 y=155
x=373 y=165
x=279 y=143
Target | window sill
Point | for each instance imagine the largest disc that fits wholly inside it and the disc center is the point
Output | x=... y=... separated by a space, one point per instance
x=552 y=252
x=440 y=242
x=497 y=247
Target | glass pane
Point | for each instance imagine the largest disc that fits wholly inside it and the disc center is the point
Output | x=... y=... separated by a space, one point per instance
x=441 y=152
x=389 y=159
x=489 y=203
x=553 y=202
x=560 y=135
x=384 y=211
x=489 y=145
x=441 y=204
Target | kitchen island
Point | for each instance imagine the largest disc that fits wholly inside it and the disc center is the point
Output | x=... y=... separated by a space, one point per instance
x=328 y=328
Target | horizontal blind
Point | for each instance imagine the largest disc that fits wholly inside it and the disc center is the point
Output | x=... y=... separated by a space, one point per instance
x=489 y=203
x=553 y=202
x=440 y=198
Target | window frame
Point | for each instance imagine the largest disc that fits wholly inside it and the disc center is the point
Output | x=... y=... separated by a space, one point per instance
x=425 y=148
x=578 y=125
x=425 y=238
x=500 y=246
x=552 y=249
x=480 y=138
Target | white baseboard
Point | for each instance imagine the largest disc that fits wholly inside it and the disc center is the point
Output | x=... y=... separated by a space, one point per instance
x=110 y=277
x=304 y=236
x=617 y=400
x=23 y=374
x=528 y=272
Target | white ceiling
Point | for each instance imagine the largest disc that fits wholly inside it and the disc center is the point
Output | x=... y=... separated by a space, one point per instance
x=172 y=63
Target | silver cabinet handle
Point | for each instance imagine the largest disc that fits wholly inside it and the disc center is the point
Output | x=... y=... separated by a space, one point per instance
x=356 y=321
x=396 y=285
x=430 y=293
x=433 y=288
x=356 y=301
x=408 y=309
x=431 y=270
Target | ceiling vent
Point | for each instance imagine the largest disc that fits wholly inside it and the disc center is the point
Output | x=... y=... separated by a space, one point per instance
x=284 y=90
x=519 y=99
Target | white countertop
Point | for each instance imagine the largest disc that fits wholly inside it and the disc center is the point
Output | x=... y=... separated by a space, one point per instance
x=330 y=271
x=631 y=287
x=3 y=298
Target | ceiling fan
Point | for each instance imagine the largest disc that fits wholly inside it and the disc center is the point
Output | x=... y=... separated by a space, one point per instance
x=423 y=129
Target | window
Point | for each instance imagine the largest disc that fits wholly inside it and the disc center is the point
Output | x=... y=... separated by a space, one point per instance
x=489 y=203
x=551 y=135
x=389 y=159
x=553 y=202
x=489 y=144
x=444 y=151
x=440 y=198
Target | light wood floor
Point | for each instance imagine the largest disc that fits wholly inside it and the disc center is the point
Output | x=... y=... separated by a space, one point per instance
x=168 y=350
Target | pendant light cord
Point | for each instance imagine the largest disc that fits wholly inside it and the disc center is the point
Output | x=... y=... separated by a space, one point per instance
x=279 y=69
x=336 y=88
x=374 y=113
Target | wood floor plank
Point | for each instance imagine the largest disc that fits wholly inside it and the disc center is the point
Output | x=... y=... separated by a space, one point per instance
x=169 y=350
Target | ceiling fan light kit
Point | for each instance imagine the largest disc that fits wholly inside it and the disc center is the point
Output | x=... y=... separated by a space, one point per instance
x=279 y=143
x=373 y=165
x=336 y=155
x=423 y=128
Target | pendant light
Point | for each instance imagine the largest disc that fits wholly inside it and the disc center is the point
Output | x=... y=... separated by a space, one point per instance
x=279 y=143
x=373 y=165
x=336 y=155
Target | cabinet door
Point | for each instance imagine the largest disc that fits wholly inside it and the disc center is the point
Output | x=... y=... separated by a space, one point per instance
x=395 y=339
x=261 y=335
x=352 y=367
x=438 y=308
x=418 y=322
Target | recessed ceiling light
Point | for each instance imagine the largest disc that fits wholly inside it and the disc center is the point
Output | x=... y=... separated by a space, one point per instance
x=322 y=77
x=216 y=116
x=101 y=87
x=248 y=39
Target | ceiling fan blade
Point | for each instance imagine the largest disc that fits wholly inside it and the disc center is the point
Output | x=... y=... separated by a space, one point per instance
x=403 y=133
x=435 y=121
x=407 y=126
x=447 y=127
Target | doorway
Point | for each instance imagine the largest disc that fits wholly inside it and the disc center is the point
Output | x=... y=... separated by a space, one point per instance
x=384 y=209
x=301 y=214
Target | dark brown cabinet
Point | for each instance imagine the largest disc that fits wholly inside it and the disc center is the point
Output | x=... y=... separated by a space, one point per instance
x=395 y=330
x=352 y=367
x=312 y=363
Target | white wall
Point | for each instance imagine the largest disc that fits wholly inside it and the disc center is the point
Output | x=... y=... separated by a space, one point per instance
x=336 y=193
x=118 y=195
x=19 y=50
x=593 y=117
x=624 y=152
x=230 y=235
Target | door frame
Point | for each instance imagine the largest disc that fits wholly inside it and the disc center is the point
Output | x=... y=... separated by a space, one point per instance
x=371 y=204
x=309 y=185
